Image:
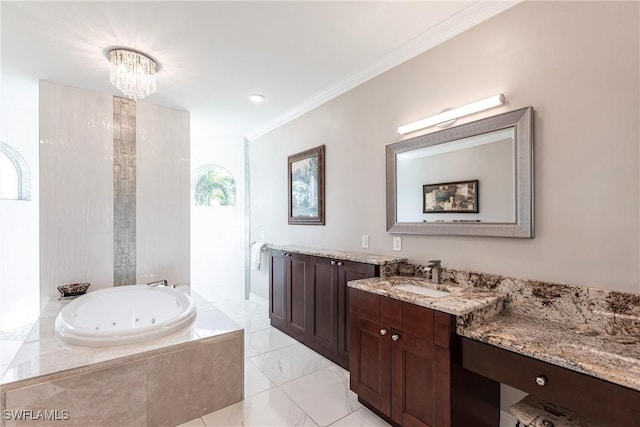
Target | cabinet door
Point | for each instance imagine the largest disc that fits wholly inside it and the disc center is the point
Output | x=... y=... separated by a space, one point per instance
x=420 y=388
x=298 y=296
x=347 y=271
x=371 y=363
x=324 y=327
x=277 y=289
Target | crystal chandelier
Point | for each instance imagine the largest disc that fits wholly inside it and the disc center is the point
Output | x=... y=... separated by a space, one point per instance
x=133 y=73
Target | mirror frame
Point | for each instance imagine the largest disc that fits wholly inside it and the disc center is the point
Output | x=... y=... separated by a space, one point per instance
x=522 y=121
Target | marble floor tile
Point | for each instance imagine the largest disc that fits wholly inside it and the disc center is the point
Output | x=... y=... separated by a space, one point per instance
x=235 y=308
x=193 y=423
x=254 y=380
x=361 y=418
x=266 y=340
x=324 y=395
x=289 y=363
x=269 y=408
x=8 y=349
x=253 y=323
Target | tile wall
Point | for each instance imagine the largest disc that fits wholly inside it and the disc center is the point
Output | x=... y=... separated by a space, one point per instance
x=114 y=190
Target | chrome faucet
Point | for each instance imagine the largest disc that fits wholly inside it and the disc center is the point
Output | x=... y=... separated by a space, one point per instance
x=435 y=268
x=163 y=282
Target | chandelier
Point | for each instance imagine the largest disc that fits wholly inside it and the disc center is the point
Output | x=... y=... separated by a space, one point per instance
x=132 y=72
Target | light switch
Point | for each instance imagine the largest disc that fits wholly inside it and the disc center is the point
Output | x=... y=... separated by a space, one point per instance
x=397 y=243
x=365 y=241
x=263 y=235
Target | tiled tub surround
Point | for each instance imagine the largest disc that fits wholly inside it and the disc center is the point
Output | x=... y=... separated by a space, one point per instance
x=166 y=381
x=388 y=265
x=592 y=331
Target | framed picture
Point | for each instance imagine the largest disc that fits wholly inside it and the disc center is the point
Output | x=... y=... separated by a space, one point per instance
x=450 y=197
x=306 y=187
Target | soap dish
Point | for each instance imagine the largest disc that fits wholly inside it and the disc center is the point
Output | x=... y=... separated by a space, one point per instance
x=73 y=290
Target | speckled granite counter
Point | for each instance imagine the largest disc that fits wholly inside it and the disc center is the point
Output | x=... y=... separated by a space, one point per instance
x=341 y=255
x=462 y=300
x=614 y=358
x=592 y=331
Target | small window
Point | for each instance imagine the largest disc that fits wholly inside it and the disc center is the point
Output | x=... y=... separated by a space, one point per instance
x=213 y=185
x=15 y=178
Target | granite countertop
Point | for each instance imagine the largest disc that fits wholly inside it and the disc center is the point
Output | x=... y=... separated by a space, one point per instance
x=463 y=300
x=592 y=331
x=340 y=255
x=614 y=358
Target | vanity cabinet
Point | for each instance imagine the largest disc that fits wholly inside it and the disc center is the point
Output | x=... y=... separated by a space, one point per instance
x=609 y=403
x=402 y=366
x=308 y=300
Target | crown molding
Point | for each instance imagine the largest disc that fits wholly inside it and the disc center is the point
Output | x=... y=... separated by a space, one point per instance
x=458 y=23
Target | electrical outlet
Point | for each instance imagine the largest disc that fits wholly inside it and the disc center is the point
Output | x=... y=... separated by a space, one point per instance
x=365 y=241
x=263 y=235
x=397 y=243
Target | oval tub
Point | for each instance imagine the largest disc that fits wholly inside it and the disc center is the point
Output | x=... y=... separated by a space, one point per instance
x=124 y=315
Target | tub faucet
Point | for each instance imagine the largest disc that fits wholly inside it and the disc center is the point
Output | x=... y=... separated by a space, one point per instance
x=435 y=268
x=163 y=282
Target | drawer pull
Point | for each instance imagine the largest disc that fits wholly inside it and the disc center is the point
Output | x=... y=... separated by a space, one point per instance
x=339 y=264
x=541 y=380
x=383 y=332
x=395 y=337
x=333 y=263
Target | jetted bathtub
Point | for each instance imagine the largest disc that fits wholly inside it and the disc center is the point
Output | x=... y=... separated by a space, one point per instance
x=124 y=315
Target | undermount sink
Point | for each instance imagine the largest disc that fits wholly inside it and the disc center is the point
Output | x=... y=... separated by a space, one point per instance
x=428 y=292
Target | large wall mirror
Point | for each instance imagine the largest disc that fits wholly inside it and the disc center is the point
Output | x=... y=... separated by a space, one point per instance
x=470 y=180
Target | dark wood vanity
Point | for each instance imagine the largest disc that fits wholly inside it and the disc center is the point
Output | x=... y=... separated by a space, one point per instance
x=308 y=300
x=403 y=366
x=609 y=403
x=411 y=366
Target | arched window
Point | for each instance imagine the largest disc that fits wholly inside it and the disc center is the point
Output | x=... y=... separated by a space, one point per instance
x=213 y=185
x=15 y=178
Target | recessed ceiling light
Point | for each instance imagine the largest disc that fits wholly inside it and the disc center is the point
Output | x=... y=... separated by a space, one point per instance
x=256 y=98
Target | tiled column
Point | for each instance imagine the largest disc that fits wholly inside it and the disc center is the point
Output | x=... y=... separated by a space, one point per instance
x=124 y=191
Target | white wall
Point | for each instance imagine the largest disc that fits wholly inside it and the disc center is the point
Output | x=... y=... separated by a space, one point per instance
x=556 y=56
x=217 y=233
x=76 y=188
x=76 y=197
x=162 y=194
x=19 y=290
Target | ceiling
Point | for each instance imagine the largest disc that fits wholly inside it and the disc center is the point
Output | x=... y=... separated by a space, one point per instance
x=213 y=54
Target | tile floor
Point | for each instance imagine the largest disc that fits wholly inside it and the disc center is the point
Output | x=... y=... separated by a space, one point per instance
x=286 y=384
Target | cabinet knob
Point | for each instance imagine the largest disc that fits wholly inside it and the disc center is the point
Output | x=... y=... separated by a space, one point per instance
x=541 y=380
x=383 y=332
x=333 y=263
x=395 y=337
x=339 y=263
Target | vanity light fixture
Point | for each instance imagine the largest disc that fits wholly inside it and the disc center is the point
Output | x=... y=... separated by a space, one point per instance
x=133 y=72
x=256 y=98
x=452 y=115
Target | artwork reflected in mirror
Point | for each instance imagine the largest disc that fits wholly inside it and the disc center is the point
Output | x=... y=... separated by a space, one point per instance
x=450 y=197
x=306 y=187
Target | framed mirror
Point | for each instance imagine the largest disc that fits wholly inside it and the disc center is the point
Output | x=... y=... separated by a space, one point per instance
x=474 y=179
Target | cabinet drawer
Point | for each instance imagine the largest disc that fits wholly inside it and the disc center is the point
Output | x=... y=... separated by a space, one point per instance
x=421 y=322
x=610 y=403
x=376 y=307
